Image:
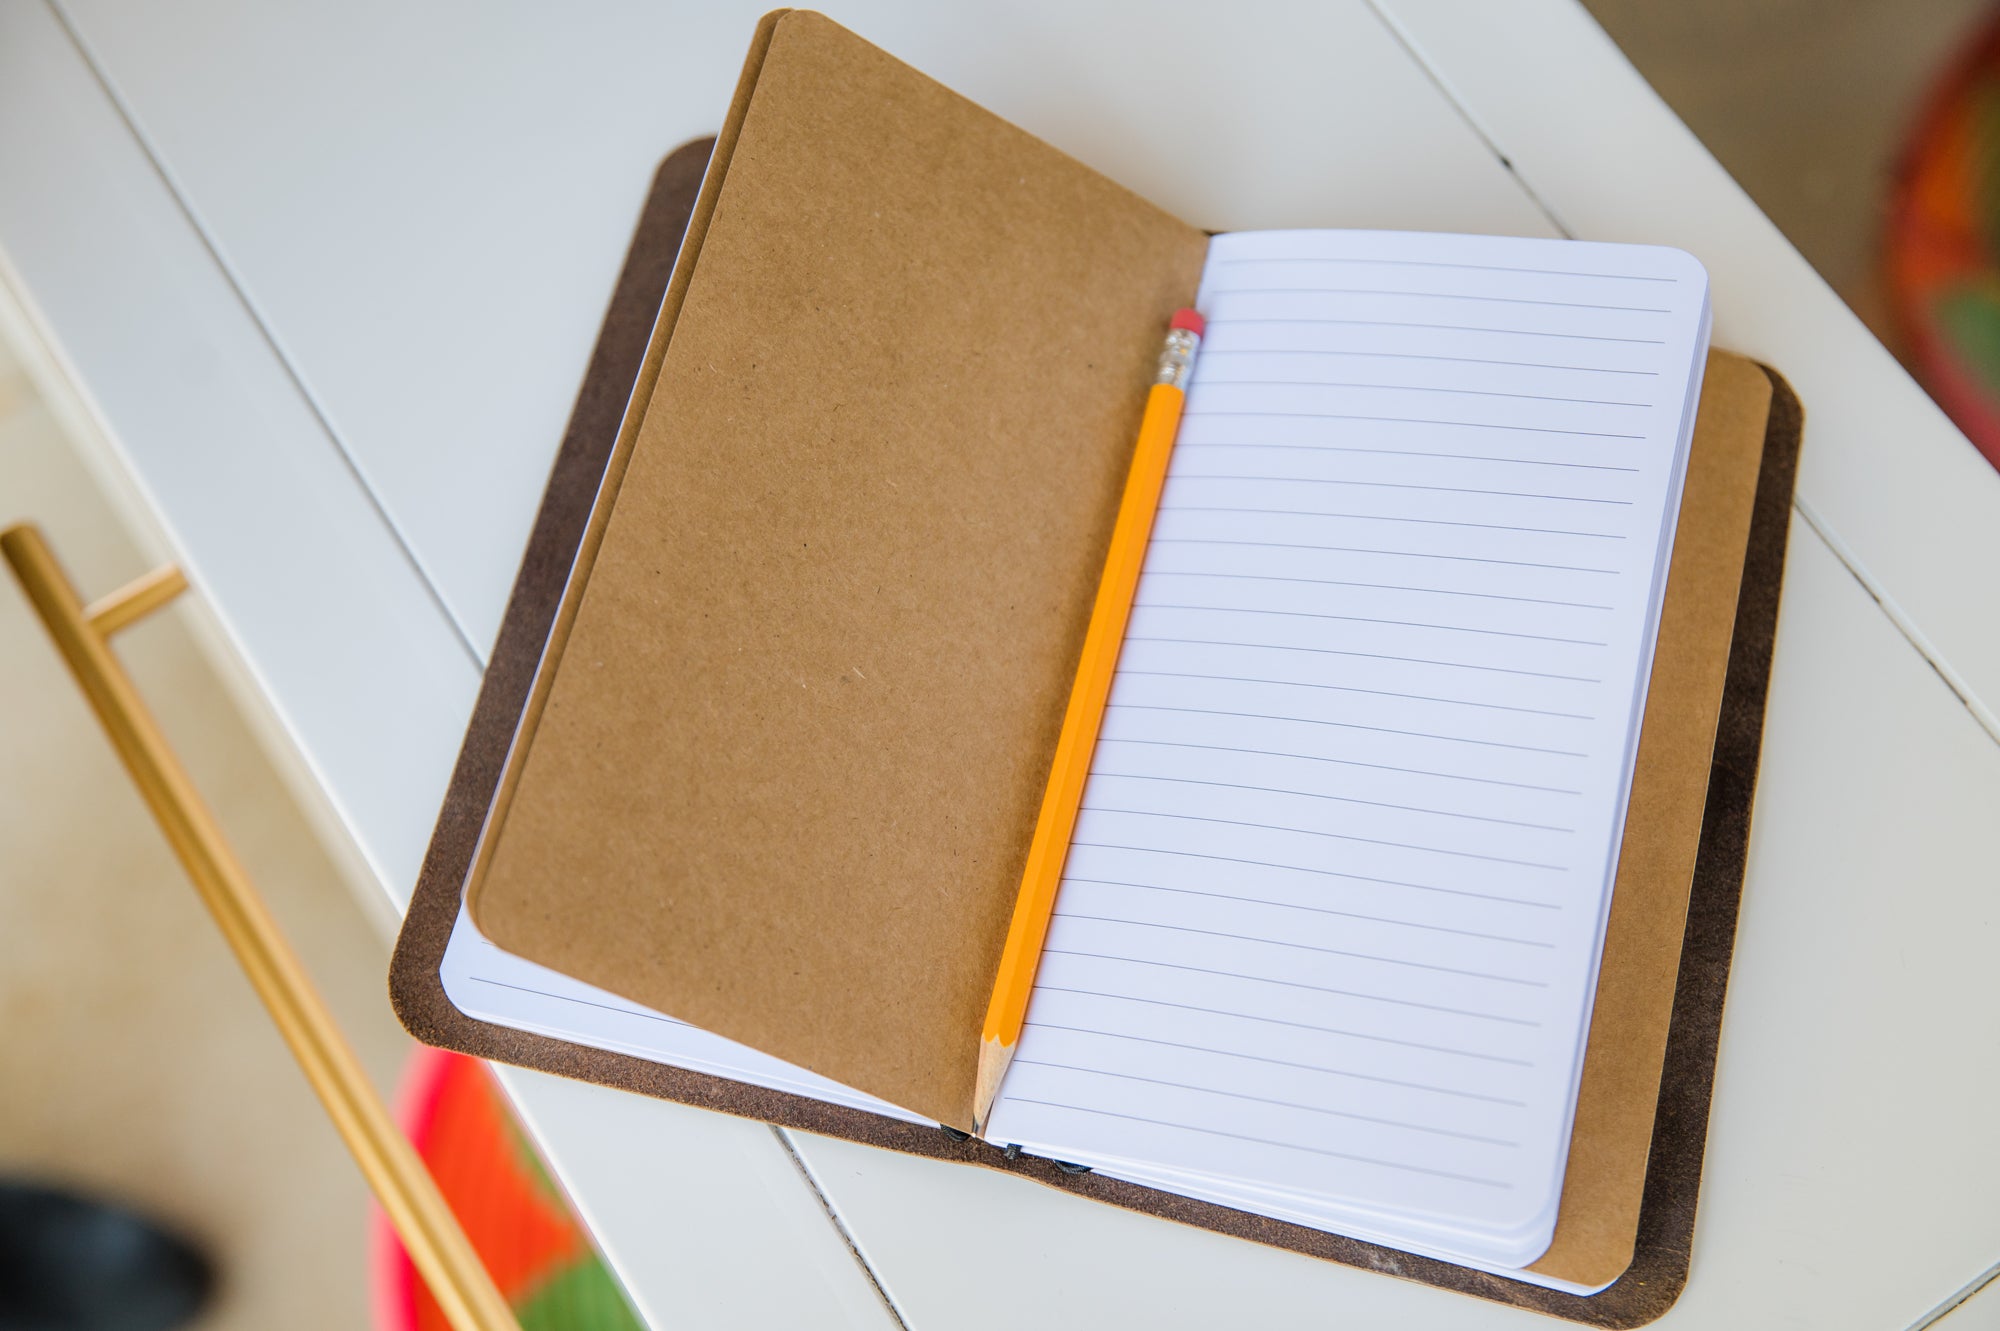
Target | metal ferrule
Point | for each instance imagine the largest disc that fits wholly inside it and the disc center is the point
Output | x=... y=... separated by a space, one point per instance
x=1177 y=357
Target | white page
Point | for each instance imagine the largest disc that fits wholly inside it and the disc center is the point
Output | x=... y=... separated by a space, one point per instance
x=485 y=982
x=1329 y=926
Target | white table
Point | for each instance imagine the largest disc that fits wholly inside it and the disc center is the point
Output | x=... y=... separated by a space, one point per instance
x=329 y=279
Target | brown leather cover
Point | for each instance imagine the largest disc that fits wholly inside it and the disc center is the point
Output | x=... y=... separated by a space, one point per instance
x=1658 y=1267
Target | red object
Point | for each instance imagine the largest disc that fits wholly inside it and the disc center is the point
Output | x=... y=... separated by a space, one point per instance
x=1190 y=320
x=518 y=1225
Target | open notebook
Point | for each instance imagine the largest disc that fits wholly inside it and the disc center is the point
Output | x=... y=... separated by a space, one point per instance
x=1331 y=921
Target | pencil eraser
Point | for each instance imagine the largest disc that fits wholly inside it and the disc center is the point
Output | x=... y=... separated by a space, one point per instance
x=1190 y=320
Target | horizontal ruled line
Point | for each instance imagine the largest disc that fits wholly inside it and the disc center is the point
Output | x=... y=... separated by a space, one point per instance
x=1261 y=1141
x=1212 y=383
x=1370 y=656
x=1355 y=688
x=1405 y=485
x=1326 y=873
x=1407 y=453
x=1470 y=267
x=1368 y=550
x=1329 y=910
x=1193 y=411
x=1343 y=799
x=1363 y=619
x=1266 y=979
x=1265 y=1100
x=1435 y=295
x=1208 y=353
x=1381 y=517
x=1284 y=1063
x=1344 y=762
x=584 y=1002
x=1444 y=328
x=1326 y=951
x=1345 y=836
x=1375 y=586
x=1474 y=1054
x=1342 y=725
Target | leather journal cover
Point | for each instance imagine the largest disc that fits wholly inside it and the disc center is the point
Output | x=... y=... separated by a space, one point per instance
x=1636 y=1147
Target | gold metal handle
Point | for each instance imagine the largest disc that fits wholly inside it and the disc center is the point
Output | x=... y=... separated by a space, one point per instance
x=437 y=1246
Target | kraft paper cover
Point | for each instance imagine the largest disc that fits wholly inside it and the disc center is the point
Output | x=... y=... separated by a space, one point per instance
x=783 y=780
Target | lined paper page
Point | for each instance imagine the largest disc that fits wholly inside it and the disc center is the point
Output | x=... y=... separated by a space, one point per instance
x=485 y=982
x=1330 y=920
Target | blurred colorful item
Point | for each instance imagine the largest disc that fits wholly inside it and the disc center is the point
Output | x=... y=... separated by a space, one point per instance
x=1942 y=248
x=518 y=1222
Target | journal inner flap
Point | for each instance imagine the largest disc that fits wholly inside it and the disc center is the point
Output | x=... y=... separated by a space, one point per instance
x=1597 y=1223
x=789 y=756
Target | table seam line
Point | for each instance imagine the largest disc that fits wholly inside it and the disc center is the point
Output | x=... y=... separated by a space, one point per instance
x=839 y=1226
x=1464 y=113
x=1965 y=1295
x=265 y=332
x=1968 y=697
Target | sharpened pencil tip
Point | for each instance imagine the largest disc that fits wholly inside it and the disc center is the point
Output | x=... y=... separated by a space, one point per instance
x=993 y=1060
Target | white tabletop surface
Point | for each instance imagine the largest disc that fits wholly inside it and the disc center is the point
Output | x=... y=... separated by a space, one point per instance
x=329 y=280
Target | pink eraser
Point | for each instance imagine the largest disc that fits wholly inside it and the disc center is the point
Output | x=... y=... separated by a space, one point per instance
x=1190 y=320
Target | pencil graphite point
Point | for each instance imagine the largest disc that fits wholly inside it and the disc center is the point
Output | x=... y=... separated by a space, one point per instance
x=993 y=1060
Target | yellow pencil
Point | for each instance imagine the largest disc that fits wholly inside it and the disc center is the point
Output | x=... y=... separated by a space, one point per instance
x=1106 y=634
